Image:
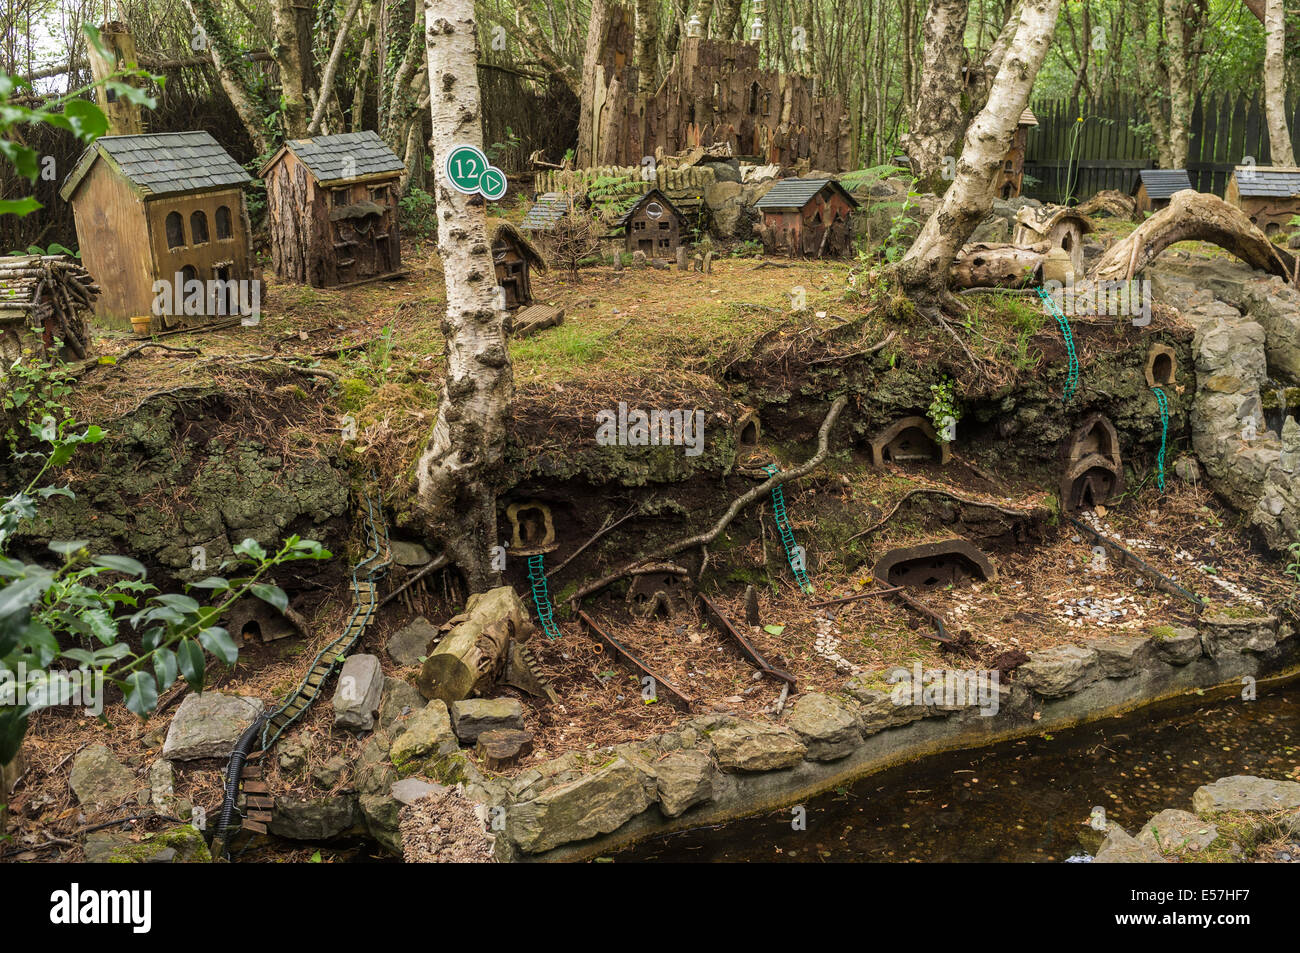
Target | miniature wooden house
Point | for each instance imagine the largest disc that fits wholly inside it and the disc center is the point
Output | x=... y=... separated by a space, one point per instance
x=1269 y=195
x=331 y=205
x=1063 y=227
x=1013 y=166
x=514 y=257
x=654 y=226
x=549 y=208
x=152 y=207
x=950 y=562
x=1153 y=188
x=806 y=218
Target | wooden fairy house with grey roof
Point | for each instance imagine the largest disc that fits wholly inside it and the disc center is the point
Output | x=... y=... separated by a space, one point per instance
x=152 y=207
x=1153 y=188
x=331 y=204
x=547 y=211
x=806 y=218
x=653 y=225
x=1269 y=195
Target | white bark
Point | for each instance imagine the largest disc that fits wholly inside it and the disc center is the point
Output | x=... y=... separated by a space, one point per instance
x=327 y=78
x=455 y=474
x=937 y=116
x=1279 y=134
x=1180 y=93
x=924 y=269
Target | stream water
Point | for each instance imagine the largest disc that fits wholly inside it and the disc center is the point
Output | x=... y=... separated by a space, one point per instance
x=1027 y=800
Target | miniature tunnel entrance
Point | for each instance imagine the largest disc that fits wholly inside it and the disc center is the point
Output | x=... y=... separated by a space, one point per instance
x=1095 y=486
x=533 y=528
x=1161 y=367
x=908 y=441
x=1093 y=471
x=952 y=562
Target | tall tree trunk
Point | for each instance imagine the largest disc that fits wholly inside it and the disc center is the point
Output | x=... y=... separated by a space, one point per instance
x=361 y=86
x=535 y=40
x=1157 y=70
x=1180 y=92
x=1279 y=135
x=647 y=44
x=728 y=17
x=231 y=72
x=288 y=57
x=937 y=117
x=923 y=271
x=455 y=474
x=327 y=78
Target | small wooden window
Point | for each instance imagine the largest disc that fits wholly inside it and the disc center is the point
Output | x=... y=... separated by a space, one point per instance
x=198 y=228
x=175 y=230
x=224 y=231
x=189 y=273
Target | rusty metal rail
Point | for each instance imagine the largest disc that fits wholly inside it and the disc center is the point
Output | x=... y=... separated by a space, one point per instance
x=746 y=649
x=1130 y=558
x=618 y=648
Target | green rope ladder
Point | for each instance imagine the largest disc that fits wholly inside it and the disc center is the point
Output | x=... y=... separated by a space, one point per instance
x=1163 y=401
x=541 y=597
x=1072 y=381
x=787 y=533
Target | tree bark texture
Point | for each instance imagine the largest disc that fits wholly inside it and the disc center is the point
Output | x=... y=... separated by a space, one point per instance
x=937 y=116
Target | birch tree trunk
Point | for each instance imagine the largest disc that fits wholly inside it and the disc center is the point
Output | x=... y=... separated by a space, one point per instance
x=937 y=117
x=647 y=44
x=327 y=78
x=728 y=17
x=1279 y=135
x=230 y=71
x=362 y=85
x=1180 y=93
x=1158 y=71
x=455 y=488
x=923 y=271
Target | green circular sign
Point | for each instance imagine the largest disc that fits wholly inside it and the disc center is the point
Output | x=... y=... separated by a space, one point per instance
x=464 y=166
x=492 y=183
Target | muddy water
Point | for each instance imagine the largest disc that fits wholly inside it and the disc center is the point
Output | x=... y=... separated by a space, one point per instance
x=1027 y=800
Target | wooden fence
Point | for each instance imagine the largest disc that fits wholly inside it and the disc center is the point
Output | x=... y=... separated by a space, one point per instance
x=1105 y=150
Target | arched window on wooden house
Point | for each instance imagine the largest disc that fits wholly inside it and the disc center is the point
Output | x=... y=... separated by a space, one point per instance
x=198 y=228
x=175 y=230
x=224 y=231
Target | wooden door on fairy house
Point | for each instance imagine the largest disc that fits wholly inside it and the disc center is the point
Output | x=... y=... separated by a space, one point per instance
x=806 y=218
x=331 y=204
x=654 y=226
x=1013 y=165
x=1269 y=195
x=514 y=258
x=1153 y=188
x=153 y=207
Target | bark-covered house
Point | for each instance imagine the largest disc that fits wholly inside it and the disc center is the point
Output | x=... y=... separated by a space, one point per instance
x=653 y=225
x=152 y=207
x=806 y=218
x=514 y=258
x=331 y=204
x=1153 y=188
x=1269 y=195
x=1013 y=165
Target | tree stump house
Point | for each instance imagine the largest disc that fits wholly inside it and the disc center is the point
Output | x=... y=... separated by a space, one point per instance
x=154 y=207
x=806 y=218
x=331 y=204
x=1269 y=195
x=1013 y=165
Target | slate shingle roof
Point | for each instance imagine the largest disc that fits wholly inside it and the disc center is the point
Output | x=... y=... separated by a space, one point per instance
x=348 y=155
x=1162 y=183
x=795 y=193
x=163 y=163
x=550 y=208
x=1265 y=182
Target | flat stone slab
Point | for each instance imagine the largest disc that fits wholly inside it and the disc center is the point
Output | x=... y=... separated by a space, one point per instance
x=409 y=644
x=1181 y=647
x=1172 y=831
x=1061 y=670
x=410 y=790
x=98 y=781
x=208 y=725
x=473 y=716
x=757 y=746
x=595 y=804
x=357 y=694
x=1242 y=792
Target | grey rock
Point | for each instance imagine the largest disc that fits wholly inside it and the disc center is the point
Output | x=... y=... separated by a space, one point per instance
x=330 y=773
x=162 y=785
x=102 y=846
x=757 y=746
x=826 y=725
x=208 y=725
x=473 y=716
x=1223 y=634
x=1121 y=655
x=683 y=779
x=165 y=856
x=410 y=790
x=293 y=753
x=399 y=698
x=427 y=733
x=99 y=781
x=409 y=644
x=1242 y=792
x=381 y=814
x=409 y=554
x=373 y=772
x=1181 y=648
x=1172 y=831
x=313 y=819
x=1061 y=670
x=1120 y=848
x=595 y=804
x=356 y=696
x=877 y=709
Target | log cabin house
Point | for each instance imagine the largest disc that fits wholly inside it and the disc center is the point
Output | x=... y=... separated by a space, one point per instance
x=514 y=258
x=806 y=218
x=1153 y=188
x=1269 y=195
x=331 y=204
x=151 y=207
x=1013 y=166
x=653 y=225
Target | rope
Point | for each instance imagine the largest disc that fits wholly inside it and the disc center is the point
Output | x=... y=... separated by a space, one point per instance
x=1072 y=381
x=541 y=597
x=787 y=533
x=1163 y=401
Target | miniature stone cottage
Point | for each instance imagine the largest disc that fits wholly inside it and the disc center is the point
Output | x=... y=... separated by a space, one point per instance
x=1153 y=188
x=331 y=206
x=152 y=207
x=1269 y=195
x=653 y=225
x=806 y=218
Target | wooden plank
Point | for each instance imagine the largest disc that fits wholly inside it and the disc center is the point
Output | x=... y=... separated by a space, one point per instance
x=260 y=800
x=255 y=787
x=254 y=826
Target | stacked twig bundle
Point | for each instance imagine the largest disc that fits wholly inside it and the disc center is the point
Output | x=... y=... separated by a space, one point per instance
x=52 y=294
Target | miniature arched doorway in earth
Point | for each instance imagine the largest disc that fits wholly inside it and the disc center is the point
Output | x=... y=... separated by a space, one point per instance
x=1092 y=471
x=532 y=528
x=907 y=441
x=951 y=562
x=1162 y=366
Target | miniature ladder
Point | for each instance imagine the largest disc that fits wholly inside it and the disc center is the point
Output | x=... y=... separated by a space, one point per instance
x=541 y=597
x=793 y=552
x=1072 y=381
x=1163 y=401
x=365 y=601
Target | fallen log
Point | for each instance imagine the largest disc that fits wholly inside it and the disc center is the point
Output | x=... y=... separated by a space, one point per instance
x=471 y=656
x=1193 y=216
x=998 y=265
x=1108 y=202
